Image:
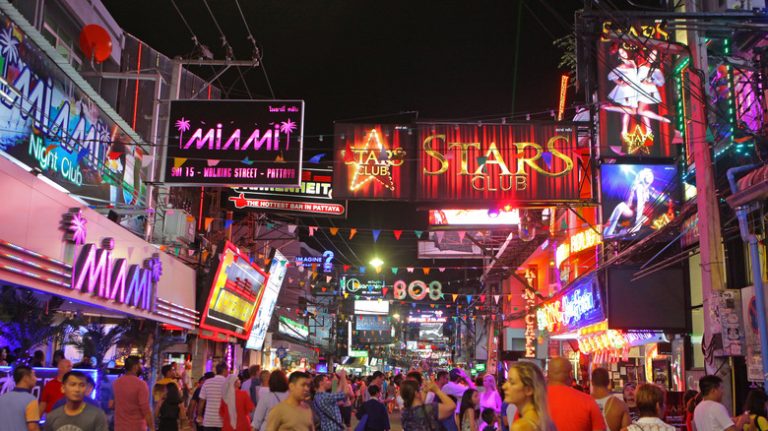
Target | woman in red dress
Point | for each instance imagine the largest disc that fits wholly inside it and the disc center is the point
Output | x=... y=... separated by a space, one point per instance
x=236 y=406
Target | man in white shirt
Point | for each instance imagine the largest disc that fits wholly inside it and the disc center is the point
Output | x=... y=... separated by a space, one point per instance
x=710 y=414
x=210 y=399
x=458 y=384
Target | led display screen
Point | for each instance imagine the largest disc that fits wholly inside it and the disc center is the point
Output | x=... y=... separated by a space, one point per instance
x=658 y=301
x=235 y=143
x=473 y=217
x=237 y=286
x=637 y=199
x=635 y=90
x=267 y=302
x=379 y=308
x=292 y=328
x=372 y=323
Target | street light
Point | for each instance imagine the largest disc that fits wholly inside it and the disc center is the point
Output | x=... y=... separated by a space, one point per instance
x=376 y=262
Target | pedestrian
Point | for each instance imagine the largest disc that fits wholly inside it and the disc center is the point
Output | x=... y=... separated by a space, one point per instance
x=418 y=416
x=293 y=413
x=490 y=398
x=650 y=405
x=38 y=359
x=167 y=376
x=236 y=406
x=52 y=390
x=570 y=410
x=263 y=388
x=615 y=411
x=169 y=407
x=490 y=420
x=374 y=412
x=689 y=396
x=442 y=379
x=326 y=403
x=89 y=386
x=458 y=384
x=210 y=400
x=628 y=394
x=253 y=383
x=57 y=356
x=468 y=416
x=526 y=389
x=186 y=382
x=18 y=407
x=131 y=399
x=194 y=401
x=755 y=405
x=85 y=363
x=278 y=392
x=76 y=414
x=710 y=414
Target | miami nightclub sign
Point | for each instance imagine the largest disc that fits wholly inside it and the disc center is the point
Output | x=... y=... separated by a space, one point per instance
x=235 y=143
x=50 y=125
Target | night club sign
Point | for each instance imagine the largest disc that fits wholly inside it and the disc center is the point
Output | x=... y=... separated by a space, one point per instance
x=526 y=164
x=313 y=197
x=371 y=161
x=231 y=143
x=579 y=307
x=52 y=127
x=635 y=90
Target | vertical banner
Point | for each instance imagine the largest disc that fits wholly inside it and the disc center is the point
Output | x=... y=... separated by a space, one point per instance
x=514 y=163
x=373 y=161
x=635 y=90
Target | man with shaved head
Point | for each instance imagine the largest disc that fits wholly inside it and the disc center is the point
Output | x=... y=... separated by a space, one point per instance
x=570 y=409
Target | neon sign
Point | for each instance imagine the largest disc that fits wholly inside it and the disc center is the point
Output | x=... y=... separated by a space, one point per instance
x=95 y=271
x=580 y=307
x=373 y=162
x=427 y=318
x=417 y=290
x=530 y=317
x=326 y=260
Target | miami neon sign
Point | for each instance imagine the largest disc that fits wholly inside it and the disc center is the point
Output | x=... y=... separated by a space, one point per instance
x=96 y=272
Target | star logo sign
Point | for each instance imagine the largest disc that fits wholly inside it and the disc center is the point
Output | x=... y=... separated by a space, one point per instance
x=373 y=162
x=638 y=141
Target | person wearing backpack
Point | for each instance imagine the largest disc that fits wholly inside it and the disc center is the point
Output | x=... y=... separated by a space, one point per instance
x=755 y=405
x=326 y=403
x=374 y=412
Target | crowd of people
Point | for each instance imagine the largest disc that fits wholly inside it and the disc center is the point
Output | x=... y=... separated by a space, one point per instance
x=260 y=400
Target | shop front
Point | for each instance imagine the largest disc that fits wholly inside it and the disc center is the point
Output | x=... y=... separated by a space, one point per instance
x=53 y=245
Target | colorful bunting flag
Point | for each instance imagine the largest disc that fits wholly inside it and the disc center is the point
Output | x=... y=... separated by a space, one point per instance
x=346 y=268
x=376 y=233
x=334 y=231
x=312 y=230
x=418 y=233
x=394 y=270
x=397 y=234
x=496 y=298
x=455 y=296
x=409 y=269
x=425 y=270
x=352 y=233
x=469 y=299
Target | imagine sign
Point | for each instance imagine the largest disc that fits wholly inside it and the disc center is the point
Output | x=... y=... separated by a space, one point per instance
x=235 y=142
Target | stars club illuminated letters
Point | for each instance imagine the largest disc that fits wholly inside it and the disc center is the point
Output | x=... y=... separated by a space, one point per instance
x=373 y=161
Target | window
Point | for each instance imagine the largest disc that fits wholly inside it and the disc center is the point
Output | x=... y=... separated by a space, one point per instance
x=63 y=43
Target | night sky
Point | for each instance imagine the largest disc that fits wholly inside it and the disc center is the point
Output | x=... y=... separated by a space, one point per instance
x=448 y=60
x=349 y=59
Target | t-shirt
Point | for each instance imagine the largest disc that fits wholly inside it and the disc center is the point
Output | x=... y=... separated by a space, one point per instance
x=212 y=392
x=131 y=403
x=711 y=416
x=421 y=418
x=51 y=394
x=572 y=410
x=326 y=405
x=457 y=390
x=91 y=418
x=761 y=423
x=510 y=410
x=18 y=408
x=287 y=417
x=650 y=424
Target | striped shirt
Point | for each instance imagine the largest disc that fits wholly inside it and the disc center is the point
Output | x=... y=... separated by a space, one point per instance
x=212 y=391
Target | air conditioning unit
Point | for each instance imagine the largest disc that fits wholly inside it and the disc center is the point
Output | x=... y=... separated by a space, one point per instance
x=178 y=226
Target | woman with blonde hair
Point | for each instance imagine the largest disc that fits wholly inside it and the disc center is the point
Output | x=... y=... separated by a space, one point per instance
x=527 y=390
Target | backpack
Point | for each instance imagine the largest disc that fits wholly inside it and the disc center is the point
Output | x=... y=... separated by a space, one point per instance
x=422 y=418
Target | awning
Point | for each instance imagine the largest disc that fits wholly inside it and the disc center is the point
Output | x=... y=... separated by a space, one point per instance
x=751 y=187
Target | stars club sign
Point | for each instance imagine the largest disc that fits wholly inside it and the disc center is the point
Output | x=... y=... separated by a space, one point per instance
x=371 y=161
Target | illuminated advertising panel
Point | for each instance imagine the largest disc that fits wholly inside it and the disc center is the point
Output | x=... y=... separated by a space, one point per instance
x=292 y=328
x=635 y=90
x=234 y=295
x=372 y=323
x=373 y=161
x=473 y=217
x=277 y=271
x=51 y=125
x=314 y=196
x=581 y=306
x=235 y=143
x=525 y=164
x=637 y=199
x=377 y=308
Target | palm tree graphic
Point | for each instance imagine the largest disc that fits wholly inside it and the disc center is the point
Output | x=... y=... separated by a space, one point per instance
x=287 y=127
x=182 y=126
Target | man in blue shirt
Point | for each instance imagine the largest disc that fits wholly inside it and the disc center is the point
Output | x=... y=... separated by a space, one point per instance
x=326 y=403
x=18 y=408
